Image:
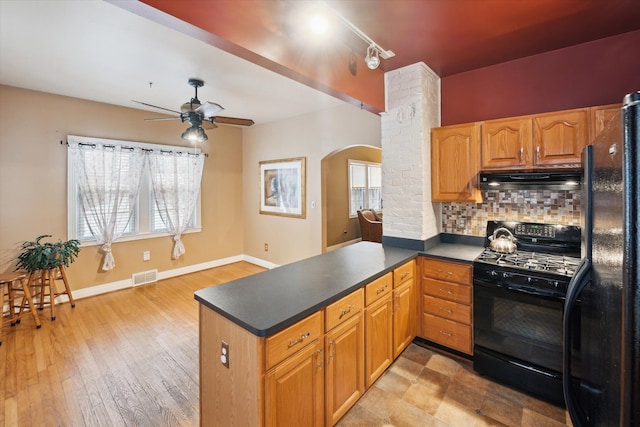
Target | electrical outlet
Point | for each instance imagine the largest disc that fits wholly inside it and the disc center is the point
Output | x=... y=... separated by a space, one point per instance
x=224 y=354
x=146 y=255
x=266 y=247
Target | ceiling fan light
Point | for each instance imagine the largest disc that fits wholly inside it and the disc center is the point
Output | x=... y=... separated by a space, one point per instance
x=202 y=137
x=194 y=134
x=372 y=59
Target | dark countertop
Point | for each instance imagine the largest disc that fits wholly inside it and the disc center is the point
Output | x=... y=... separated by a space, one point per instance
x=453 y=247
x=268 y=302
x=454 y=251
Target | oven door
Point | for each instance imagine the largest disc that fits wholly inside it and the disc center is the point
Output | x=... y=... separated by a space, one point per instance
x=519 y=326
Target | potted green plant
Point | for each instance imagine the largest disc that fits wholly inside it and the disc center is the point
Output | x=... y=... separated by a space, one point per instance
x=37 y=255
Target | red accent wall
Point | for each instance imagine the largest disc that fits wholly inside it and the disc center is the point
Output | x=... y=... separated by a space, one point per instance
x=595 y=73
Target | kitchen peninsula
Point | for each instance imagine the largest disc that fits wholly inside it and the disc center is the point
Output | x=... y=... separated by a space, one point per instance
x=276 y=333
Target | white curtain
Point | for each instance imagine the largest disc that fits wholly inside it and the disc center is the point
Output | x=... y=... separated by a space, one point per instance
x=176 y=179
x=108 y=178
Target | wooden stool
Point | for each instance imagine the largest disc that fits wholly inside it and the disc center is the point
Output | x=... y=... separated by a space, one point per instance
x=47 y=278
x=14 y=283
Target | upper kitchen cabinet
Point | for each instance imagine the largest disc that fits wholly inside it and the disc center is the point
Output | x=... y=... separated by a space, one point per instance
x=506 y=143
x=559 y=138
x=600 y=117
x=455 y=163
x=550 y=140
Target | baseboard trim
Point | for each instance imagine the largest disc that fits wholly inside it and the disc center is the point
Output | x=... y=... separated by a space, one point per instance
x=343 y=244
x=128 y=283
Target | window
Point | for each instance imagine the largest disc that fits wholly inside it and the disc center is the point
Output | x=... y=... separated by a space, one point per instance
x=365 y=186
x=86 y=223
x=145 y=222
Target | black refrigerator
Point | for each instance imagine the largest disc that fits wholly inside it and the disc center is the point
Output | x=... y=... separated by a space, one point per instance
x=601 y=374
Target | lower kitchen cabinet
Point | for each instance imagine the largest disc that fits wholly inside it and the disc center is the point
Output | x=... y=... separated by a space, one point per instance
x=403 y=318
x=454 y=335
x=312 y=372
x=344 y=368
x=447 y=304
x=379 y=338
x=294 y=390
x=404 y=307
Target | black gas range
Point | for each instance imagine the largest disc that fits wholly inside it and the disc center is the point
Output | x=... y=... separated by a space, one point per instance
x=520 y=282
x=545 y=257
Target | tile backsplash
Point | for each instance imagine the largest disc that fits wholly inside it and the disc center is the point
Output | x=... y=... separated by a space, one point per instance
x=545 y=206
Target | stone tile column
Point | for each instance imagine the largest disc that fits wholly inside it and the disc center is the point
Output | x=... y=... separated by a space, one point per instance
x=412 y=109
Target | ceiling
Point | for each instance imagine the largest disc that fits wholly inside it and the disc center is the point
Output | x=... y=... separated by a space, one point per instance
x=121 y=50
x=97 y=51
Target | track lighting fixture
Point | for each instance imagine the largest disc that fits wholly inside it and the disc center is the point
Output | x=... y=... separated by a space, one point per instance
x=372 y=59
x=374 y=51
x=319 y=22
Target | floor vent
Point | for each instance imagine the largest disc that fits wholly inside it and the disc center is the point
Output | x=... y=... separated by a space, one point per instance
x=145 y=277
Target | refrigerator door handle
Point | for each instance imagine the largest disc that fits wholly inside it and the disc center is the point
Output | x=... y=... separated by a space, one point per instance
x=576 y=286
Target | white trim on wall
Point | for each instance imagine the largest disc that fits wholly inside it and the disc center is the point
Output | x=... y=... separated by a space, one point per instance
x=128 y=283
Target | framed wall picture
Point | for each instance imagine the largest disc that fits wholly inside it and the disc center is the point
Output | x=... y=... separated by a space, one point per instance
x=282 y=187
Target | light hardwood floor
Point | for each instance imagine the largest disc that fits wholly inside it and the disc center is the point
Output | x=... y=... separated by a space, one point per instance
x=120 y=359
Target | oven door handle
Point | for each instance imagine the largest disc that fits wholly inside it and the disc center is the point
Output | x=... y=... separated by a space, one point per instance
x=579 y=281
x=533 y=292
x=550 y=295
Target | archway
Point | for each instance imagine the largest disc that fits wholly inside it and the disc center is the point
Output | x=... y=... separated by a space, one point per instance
x=338 y=229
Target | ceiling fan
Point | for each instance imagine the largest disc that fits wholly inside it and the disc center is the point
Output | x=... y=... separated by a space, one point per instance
x=199 y=115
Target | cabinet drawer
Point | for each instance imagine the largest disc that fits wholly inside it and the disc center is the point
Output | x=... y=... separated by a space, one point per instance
x=449 y=271
x=343 y=309
x=447 y=290
x=294 y=338
x=447 y=309
x=378 y=288
x=403 y=273
x=448 y=333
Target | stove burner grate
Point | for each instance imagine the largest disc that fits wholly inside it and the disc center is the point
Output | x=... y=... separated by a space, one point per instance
x=532 y=261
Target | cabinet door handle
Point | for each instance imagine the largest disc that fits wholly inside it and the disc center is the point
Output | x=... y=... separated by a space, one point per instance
x=382 y=289
x=347 y=311
x=404 y=275
x=449 y=334
x=299 y=340
x=332 y=350
x=319 y=359
x=448 y=273
x=446 y=310
x=538 y=153
x=445 y=291
x=398 y=299
x=521 y=154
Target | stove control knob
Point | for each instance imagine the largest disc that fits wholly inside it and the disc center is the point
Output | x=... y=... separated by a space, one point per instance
x=505 y=275
x=493 y=273
x=529 y=279
x=554 y=283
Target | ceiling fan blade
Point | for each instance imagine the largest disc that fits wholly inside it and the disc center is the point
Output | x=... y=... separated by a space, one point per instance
x=233 y=121
x=208 y=125
x=155 y=106
x=209 y=109
x=155 y=119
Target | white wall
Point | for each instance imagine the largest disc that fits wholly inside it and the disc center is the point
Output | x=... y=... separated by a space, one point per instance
x=33 y=184
x=312 y=136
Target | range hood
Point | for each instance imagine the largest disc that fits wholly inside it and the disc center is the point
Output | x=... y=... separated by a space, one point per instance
x=555 y=180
